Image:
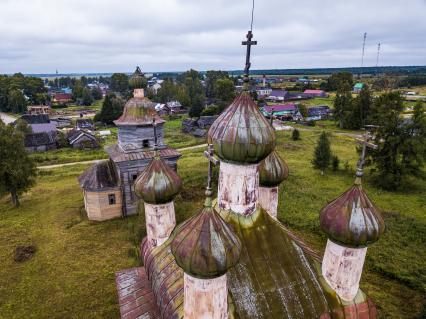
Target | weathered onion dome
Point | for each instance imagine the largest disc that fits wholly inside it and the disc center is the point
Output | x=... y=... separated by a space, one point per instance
x=241 y=134
x=158 y=183
x=139 y=110
x=205 y=246
x=273 y=170
x=137 y=80
x=352 y=219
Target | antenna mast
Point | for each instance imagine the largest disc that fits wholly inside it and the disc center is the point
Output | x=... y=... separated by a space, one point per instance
x=362 y=57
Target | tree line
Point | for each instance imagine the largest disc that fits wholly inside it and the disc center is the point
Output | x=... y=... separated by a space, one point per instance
x=17 y=91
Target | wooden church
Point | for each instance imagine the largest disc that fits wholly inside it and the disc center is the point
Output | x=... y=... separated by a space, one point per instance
x=108 y=186
x=233 y=258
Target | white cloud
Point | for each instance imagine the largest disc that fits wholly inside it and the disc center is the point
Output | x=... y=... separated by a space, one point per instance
x=162 y=35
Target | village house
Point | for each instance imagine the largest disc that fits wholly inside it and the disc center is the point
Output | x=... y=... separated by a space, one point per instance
x=263 y=91
x=278 y=95
x=318 y=112
x=39 y=123
x=85 y=124
x=62 y=98
x=358 y=87
x=40 y=141
x=315 y=93
x=198 y=127
x=82 y=139
x=38 y=109
x=287 y=112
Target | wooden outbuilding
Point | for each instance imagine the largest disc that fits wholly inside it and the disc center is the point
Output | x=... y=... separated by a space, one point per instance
x=102 y=194
x=82 y=139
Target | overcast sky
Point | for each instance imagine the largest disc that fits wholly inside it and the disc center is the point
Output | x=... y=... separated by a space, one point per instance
x=40 y=36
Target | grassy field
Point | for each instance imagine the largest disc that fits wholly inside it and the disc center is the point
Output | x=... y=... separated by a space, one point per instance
x=72 y=272
x=173 y=137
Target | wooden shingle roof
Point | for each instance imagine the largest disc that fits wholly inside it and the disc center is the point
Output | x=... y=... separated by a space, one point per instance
x=98 y=177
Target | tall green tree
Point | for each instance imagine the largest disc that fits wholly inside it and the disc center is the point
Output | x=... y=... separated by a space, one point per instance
x=17 y=101
x=343 y=104
x=17 y=169
x=87 y=98
x=77 y=90
x=362 y=106
x=225 y=90
x=401 y=143
x=119 y=83
x=195 y=90
x=211 y=80
x=112 y=108
x=336 y=80
x=322 y=153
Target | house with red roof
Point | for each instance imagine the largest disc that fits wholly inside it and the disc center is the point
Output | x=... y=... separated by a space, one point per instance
x=315 y=93
x=62 y=98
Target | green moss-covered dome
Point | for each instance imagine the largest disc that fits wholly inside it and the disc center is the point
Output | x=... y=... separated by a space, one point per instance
x=205 y=246
x=352 y=219
x=272 y=170
x=137 y=80
x=139 y=110
x=241 y=134
x=158 y=183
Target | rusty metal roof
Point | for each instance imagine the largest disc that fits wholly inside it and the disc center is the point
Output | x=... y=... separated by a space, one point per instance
x=352 y=219
x=117 y=155
x=205 y=246
x=138 y=111
x=277 y=276
x=158 y=183
x=135 y=295
x=241 y=134
x=272 y=170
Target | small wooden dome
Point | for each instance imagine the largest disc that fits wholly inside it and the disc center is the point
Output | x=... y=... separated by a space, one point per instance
x=137 y=80
x=205 y=246
x=273 y=170
x=241 y=134
x=352 y=219
x=158 y=183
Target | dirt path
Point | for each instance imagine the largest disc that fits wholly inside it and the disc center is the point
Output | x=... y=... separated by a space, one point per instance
x=101 y=160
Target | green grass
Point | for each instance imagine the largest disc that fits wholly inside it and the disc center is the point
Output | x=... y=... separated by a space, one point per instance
x=72 y=272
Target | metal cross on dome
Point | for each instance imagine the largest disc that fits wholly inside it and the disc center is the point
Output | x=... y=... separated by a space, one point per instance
x=248 y=43
x=365 y=142
x=209 y=153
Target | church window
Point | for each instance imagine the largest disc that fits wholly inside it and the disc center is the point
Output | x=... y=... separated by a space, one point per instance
x=111 y=199
x=134 y=176
x=145 y=143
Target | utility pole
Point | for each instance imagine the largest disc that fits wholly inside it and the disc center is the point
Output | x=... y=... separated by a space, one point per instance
x=377 y=58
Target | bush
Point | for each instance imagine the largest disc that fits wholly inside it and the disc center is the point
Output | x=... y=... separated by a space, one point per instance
x=311 y=123
x=295 y=135
x=335 y=163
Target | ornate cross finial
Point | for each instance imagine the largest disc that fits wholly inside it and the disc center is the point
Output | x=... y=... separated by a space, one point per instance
x=365 y=142
x=248 y=43
x=209 y=153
